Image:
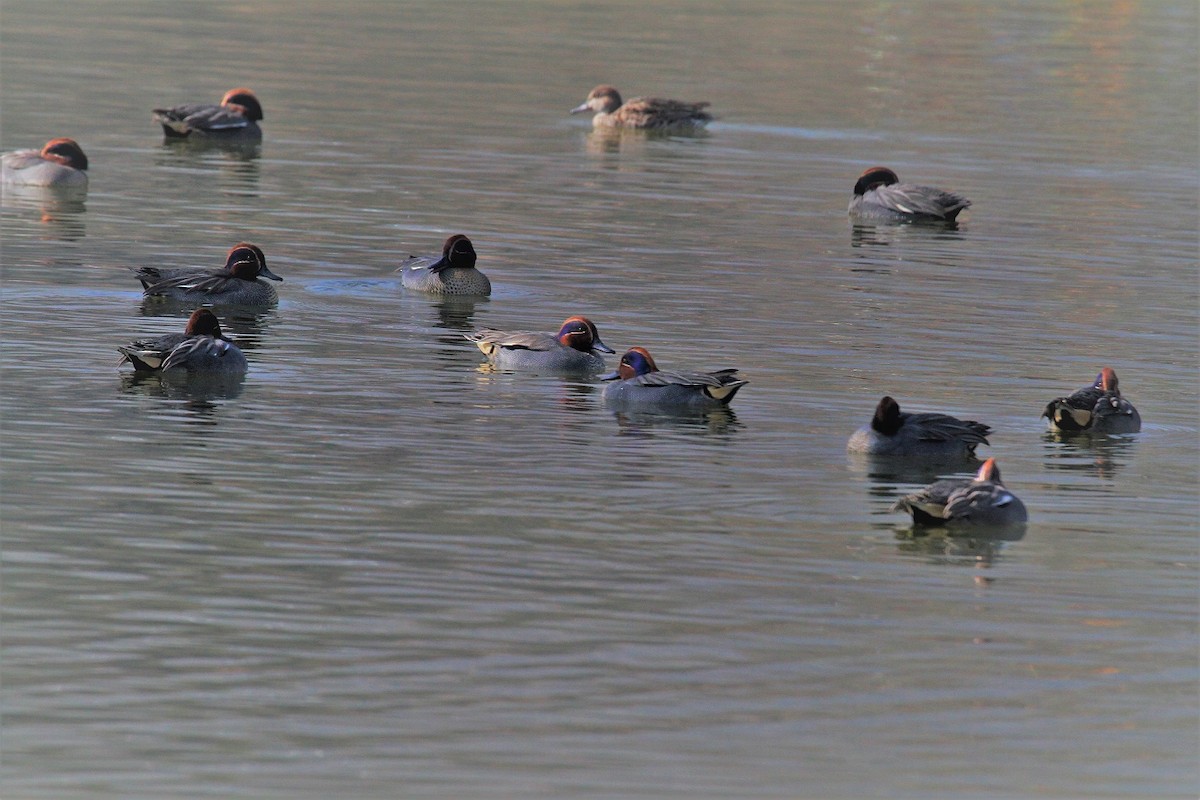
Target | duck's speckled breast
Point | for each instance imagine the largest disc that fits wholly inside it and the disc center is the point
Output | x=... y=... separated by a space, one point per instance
x=453 y=280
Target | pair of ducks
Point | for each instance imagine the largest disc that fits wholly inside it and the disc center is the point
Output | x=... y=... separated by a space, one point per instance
x=202 y=348
x=1098 y=408
x=61 y=162
x=878 y=194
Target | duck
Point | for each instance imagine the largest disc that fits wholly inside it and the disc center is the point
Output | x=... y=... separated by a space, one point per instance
x=576 y=348
x=235 y=117
x=60 y=162
x=880 y=196
x=454 y=273
x=237 y=283
x=982 y=500
x=640 y=384
x=646 y=113
x=200 y=348
x=931 y=435
x=1098 y=408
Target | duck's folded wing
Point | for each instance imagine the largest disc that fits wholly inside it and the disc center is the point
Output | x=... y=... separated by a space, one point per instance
x=981 y=498
x=514 y=340
x=148 y=354
x=194 y=348
x=203 y=283
x=921 y=200
x=201 y=117
x=417 y=262
x=935 y=427
x=670 y=378
x=649 y=111
x=930 y=501
x=23 y=159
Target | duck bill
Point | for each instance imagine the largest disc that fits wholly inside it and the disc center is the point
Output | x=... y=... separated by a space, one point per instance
x=602 y=347
x=439 y=265
x=263 y=272
x=579 y=109
x=611 y=376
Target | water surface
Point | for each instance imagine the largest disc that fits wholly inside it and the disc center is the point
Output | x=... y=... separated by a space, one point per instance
x=376 y=569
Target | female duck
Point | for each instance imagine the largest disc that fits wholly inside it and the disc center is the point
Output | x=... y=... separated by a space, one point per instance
x=642 y=385
x=61 y=162
x=647 y=113
x=1098 y=408
x=453 y=273
x=575 y=348
x=893 y=432
x=200 y=348
x=237 y=283
x=983 y=500
x=879 y=196
x=235 y=118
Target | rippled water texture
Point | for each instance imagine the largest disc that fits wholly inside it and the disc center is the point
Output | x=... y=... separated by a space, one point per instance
x=377 y=569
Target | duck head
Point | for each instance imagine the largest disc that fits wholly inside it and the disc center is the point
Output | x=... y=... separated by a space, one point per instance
x=581 y=334
x=456 y=252
x=875 y=176
x=989 y=471
x=203 y=322
x=636 y=361
x=247 y=261
x=66 y=152
x=604 y=99
x=243 y=97
x=1106 y=381
x=887 y=417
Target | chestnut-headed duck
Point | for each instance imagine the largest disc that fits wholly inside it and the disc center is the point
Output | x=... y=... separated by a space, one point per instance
x=236 y=117
x=200 y=348
x=928 y=435
x=453 y=273
x=237 y=283
x=982 y=500
x=640 y=384
x=1098 y=408
x=575 y=348
x=60 y=162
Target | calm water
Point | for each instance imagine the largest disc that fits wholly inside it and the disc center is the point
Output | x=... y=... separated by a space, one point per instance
x=377 y=570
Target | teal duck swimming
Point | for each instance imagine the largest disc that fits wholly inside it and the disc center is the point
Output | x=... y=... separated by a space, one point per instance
x=929 y=435
x=576 y=348
x=880 y=197
x=235 y=117
x=200 y=348
x=647 y=113
x=237 y=283
x=60 y=162
x=453 y=273
x=1098 y=408
x=640 y=384
x=982 y=500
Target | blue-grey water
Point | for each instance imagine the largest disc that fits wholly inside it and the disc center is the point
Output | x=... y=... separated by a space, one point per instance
x=375 y=569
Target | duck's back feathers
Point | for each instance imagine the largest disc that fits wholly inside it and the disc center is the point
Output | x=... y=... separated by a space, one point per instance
x=657 y=112
x=934 y=427
x=489 y=339
x=205 y=353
